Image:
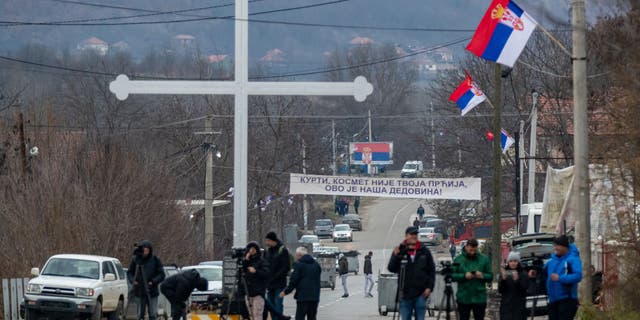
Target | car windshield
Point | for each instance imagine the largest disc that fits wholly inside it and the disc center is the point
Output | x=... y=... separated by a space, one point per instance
x=342 y=228
x=309 y=239
x=323 y=223
x=72 y=268
x=211 y=274
x=351 y=217
x=409 y=166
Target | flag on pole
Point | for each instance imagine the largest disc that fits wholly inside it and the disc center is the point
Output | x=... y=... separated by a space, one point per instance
x=467 y=96
x=506 y=141
x=502 y=33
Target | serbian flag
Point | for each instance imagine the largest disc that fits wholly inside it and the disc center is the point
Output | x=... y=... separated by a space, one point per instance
x=502 y=33
x=506 y=141
x=467 y=96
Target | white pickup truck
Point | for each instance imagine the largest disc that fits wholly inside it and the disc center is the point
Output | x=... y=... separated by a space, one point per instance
x=72 y=285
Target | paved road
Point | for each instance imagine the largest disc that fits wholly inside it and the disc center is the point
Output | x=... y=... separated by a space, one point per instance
x=384 y=222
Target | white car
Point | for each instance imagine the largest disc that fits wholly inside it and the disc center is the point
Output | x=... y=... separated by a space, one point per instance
x=429 y=236
x=309 y=238
x=213 y=274
x=342 y=232
x=72 y=285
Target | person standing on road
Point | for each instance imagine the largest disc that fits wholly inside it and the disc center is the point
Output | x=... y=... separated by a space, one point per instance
x=356 y=205
x=563 y=272
x=416 y=223
x=419 y=275
x=343 y=271
x=178 y=287
x=305 y=279
x=145 y=273
x=255 y=271
x=452 y=250
x=279 y=261
x=513 y=286
x=368 y=275
x=472 y=272
x=420 y=212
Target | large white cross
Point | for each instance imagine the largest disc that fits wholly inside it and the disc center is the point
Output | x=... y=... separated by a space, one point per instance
x=241 y=88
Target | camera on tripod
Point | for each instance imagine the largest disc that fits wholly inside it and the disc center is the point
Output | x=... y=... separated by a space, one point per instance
x=447 y=269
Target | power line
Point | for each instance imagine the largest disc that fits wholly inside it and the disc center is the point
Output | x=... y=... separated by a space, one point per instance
x=229 y=17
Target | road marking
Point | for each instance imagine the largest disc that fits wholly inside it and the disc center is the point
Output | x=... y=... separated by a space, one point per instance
x=395 y=217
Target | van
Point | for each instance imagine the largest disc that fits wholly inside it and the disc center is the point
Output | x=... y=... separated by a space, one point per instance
x=412 y=169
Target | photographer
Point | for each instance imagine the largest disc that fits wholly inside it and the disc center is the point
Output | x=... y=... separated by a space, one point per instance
x=178 y=287
x=513 y=286
x=255 y=271
x=472 y=271
x=415 y=263
x=146 y=272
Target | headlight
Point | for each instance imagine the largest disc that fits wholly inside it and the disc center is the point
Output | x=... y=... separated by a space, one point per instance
x=34 y=288
x=84 y=292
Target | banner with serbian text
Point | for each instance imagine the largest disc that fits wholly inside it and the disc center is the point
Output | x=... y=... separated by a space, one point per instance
x=428 y=188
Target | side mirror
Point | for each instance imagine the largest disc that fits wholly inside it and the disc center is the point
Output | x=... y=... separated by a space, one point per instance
x=109 y=277
x=35 y=272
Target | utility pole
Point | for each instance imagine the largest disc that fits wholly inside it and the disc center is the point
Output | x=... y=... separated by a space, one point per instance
x=305 y=202
x=520 y=186
x=23 y=146
x=370 y=140
x=433 y=140
x=581 y=192
x=333 y=145
x=208 y=189
x=497 y=172
x=531 y=198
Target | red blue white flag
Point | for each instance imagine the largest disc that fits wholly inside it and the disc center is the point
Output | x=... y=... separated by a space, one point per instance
x=467 y=96
x=502 y=33
x=506 y=141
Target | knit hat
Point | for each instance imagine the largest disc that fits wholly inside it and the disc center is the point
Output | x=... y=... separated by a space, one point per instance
x=561 y=240
x=514 y=256
x=254 y=245
x=272 y=236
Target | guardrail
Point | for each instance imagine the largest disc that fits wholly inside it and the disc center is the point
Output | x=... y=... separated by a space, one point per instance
x=12 y=293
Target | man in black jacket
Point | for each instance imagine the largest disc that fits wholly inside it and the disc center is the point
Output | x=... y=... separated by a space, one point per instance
x=279 y=265
x=145 y=273
x=343 y=270
x=419 y=274
x=255 y=271
x=368 y=275
x=305 y=279
x=178 y=287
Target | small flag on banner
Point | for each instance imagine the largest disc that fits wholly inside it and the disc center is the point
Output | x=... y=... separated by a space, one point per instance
x=467 y=96
x=506 y=141
x=502 y=33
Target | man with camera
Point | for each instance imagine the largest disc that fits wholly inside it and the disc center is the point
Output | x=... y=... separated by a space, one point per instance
x=255 y=271
x=178 y=287
x=472 y=272
x=417 y=272
x=145 y=273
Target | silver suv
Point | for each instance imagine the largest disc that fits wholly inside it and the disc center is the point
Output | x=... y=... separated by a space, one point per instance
x=323 y=228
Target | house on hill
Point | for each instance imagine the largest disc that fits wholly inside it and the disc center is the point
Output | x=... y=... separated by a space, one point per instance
x=94 y=44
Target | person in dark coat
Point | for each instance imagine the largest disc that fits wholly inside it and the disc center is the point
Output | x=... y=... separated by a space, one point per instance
x=279 y=261
x=513 y=286
x=255 y=272
x=305 y=279
x=356 y=205
x=419 y=274
x=343 y=271
x=146 y=273
x=178 y=287
x=416 y=223
x=368 y=275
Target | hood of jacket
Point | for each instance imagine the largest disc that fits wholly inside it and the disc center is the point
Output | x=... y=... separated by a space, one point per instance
x=147 y=244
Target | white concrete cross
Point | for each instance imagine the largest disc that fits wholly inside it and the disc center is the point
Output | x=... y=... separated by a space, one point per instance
x=241 y=88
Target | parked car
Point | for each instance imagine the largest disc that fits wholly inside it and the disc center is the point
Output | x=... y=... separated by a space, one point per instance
x=211 y=263
x=323 y=227
x=213 y=274
x=429 y=236
x=535 y=250
x=353 y=220
x=412 y=169
x=73 y=285
x=164 y=306
x=309 y=238
x=342 y=232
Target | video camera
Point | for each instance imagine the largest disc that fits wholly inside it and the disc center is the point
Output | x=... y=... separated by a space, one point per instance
x=447 y=269
x=138 y=252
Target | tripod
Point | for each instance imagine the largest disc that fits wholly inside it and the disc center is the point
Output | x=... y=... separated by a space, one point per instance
x=450 y=299
x=403 y=266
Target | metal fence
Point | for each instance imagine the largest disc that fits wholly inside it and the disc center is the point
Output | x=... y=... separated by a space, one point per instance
x=12 y=293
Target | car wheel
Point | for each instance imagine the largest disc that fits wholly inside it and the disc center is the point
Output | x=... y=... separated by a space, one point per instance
x=119 y=313
x=97 y=311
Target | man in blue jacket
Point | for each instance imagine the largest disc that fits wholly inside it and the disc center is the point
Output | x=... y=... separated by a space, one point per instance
x=305 y=279
x=563 y=272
